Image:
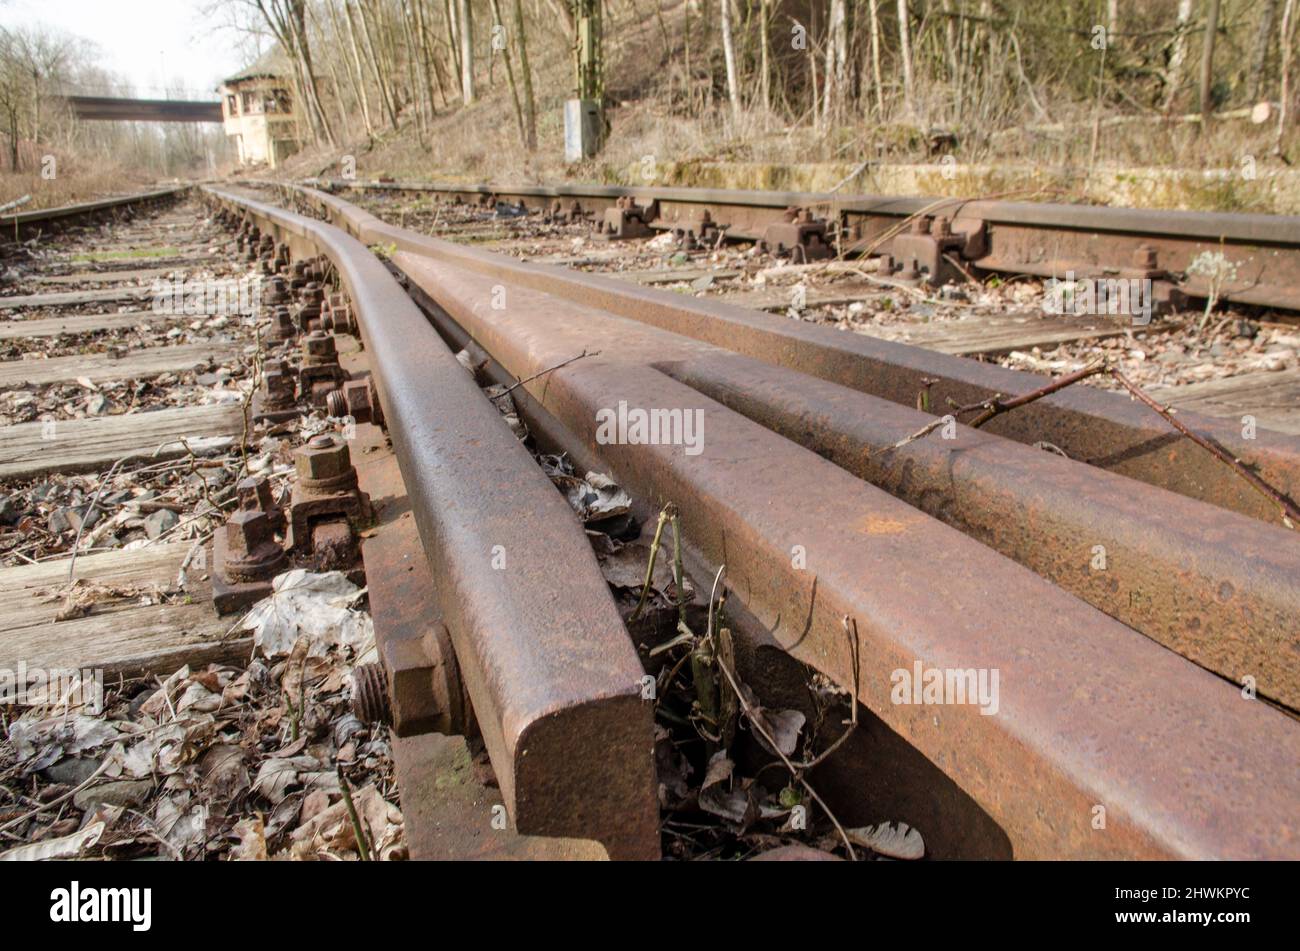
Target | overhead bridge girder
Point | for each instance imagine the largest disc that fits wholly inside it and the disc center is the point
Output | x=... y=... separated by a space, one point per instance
x=110 y=108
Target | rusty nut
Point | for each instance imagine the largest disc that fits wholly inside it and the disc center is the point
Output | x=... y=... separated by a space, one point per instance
x=319 y=345
x=324 y=457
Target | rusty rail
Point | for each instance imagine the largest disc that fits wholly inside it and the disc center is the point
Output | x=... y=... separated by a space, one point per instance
x=1106 y=430
x=1095 y=718
x=554 y=680
x=14 y=226
x=1262 y=252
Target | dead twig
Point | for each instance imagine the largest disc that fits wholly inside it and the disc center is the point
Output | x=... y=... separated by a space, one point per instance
x=363 y=843
x=564 y=363
x=664 y=516
x=1290 y=514
x=76 y=544
x=758 y=725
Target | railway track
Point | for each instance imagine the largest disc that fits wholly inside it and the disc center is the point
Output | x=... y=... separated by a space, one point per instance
x=1133 y=598
x=1245 y=258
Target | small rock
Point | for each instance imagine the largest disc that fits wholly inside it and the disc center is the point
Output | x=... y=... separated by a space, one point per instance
x=62 y=520
x=126 y=792
x=159 y=522
x=702 y=283
x=72 y=771
x=9 y=513
x=97 y=405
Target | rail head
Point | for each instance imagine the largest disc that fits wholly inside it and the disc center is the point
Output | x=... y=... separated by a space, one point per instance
x=553 y=677
x=20 y=221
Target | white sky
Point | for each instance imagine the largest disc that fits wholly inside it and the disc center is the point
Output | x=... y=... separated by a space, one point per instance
x=150 y=43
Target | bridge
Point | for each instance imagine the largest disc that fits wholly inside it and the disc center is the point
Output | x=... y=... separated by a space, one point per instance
x=113 y=109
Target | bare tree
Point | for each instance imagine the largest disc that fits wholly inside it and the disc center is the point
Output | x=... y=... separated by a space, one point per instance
x=1207 y=58
x=729 y=53
x=905 y=55
x=466 y=31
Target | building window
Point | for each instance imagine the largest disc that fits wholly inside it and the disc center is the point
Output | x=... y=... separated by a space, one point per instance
x=277 y=100
x=231 y=106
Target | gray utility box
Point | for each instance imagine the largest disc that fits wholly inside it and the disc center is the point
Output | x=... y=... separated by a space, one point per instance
x=582 y=129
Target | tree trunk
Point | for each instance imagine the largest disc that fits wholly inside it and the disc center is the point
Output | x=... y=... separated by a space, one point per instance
x=1207 y=59
x=1178 y=55
x=873 y=5
x=1286 y=45
x=530 y=102
x=385 y=90
x=729 y=53
x=1259 y=54
x=357 y=79
x=466 y=51
x=905 y=55
x=510 y=75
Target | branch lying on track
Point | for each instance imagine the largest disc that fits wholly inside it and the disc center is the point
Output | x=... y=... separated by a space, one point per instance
x=1290 y=514
x=563 y=363
x=996 y=406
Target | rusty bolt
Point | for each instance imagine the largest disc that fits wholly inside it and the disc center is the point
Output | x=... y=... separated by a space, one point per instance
x=336 y=405
x=254 y=494
x=276 y=293
x=282 y=326
x=319 y=347
x=355 y=398
x=324 y=458
x=1144 y=257
x=252 y=553
x=370 y=695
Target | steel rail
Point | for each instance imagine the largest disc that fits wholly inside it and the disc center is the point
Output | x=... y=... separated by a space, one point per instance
x=1092 y=713
x=18 y=222
x=552 y=675
x=1107 y=430
x=1261 y=252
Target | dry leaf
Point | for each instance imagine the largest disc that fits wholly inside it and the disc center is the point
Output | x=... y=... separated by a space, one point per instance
x=897 y=841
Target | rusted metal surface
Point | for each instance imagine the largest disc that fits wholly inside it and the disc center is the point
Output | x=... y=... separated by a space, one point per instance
x=1011 y=237
x=554 y=680
x=424 y=691
x=1106 y=430
x=21 y=224
x=1215 y=586
x=448 y=809
x=1091 y=715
